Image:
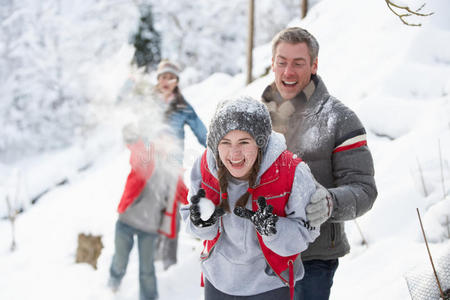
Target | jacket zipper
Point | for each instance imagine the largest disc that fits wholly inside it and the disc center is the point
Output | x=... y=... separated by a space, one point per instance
x=276 y=196
x=211 y=187
x=333 y=234
x=264 y=183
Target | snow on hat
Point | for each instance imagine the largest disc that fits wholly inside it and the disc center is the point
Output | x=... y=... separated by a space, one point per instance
x=243 y=113
x=166 y=66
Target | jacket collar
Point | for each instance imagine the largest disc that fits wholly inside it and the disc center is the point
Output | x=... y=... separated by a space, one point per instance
x=309 y=101
x=317 y=99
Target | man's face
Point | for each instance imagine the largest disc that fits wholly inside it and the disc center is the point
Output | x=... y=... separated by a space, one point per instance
x=292 y=67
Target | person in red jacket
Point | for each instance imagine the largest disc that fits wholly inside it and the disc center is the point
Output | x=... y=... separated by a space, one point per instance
x=248 y=199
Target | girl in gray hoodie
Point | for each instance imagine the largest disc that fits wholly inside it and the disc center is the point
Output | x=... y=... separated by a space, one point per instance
x=255 y=228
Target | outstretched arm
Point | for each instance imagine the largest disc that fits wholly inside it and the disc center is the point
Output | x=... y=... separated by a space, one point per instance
x=197 y=126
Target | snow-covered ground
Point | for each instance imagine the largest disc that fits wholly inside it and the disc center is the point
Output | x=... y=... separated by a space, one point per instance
x=397 y=79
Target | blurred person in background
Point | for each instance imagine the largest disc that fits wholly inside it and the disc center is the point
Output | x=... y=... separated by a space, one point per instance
x=154 y=187
x=178 y=113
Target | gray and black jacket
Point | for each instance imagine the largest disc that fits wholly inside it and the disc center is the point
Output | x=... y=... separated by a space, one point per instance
x=330 y=138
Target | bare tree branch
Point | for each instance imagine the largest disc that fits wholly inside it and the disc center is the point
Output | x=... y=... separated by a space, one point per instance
x=425 y=192
x=444 y=191
x=176 y=21
x=364 y=241
x=443 y=296
x=404 y=11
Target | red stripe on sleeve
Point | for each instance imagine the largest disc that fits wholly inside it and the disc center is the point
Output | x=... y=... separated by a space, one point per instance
x=352 y=146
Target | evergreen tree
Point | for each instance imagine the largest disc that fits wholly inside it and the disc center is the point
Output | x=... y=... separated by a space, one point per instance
x=147 y=41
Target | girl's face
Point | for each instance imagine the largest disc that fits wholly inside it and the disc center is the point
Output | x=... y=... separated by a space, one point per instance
x=238 y=152
x=167 y=83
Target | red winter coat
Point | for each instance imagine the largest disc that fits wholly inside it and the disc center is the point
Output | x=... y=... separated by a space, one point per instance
x=142 y=161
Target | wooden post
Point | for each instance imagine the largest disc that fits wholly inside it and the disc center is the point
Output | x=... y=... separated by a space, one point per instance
x=304 y=8
x=251 y=14
x=12 y=213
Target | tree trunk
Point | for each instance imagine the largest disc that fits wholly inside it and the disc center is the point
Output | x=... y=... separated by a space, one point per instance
x=251 y=13
x=304 y=8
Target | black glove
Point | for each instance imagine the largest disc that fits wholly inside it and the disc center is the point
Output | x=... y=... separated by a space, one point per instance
x=194 y=210
x=263 y=219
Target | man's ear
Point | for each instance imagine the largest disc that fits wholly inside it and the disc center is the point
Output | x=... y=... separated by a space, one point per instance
x=315 y=66
x=273 y=61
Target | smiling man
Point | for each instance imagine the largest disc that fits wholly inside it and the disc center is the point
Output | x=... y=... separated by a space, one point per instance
x=329 y=137
x=293 y=67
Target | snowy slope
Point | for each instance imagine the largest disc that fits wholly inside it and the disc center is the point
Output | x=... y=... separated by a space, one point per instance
x=396 y=78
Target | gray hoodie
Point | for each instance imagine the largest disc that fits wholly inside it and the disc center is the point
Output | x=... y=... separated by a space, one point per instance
x=237 y=266
x=146 y=213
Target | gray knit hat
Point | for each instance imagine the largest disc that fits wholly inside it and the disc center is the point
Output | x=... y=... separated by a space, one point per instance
x=243 y=113
x=166 y=66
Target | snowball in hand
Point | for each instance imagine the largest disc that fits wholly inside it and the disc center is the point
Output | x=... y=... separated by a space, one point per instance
x=206 y=208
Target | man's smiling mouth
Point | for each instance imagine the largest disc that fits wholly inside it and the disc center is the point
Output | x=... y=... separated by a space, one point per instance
x=289 y=83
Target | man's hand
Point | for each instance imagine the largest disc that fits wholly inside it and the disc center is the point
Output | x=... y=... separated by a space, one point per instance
x=320 y=207
x=195 y=215
x=263 y=219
